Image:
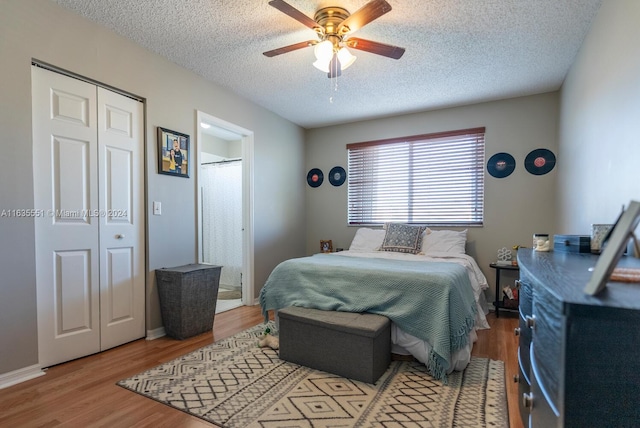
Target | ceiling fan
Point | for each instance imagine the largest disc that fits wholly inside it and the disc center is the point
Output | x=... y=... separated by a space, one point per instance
x=334 y=26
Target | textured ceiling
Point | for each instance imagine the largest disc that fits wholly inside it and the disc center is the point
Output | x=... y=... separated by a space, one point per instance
x=457 y=51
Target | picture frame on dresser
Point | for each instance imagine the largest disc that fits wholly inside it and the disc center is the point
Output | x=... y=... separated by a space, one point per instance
x=616 y=245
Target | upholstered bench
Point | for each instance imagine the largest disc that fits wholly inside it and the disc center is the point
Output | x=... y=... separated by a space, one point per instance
x=352 y=345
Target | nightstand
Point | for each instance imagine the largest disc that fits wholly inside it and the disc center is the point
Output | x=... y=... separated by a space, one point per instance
x=498 y=302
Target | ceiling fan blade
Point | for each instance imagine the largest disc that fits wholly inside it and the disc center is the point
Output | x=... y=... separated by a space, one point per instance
x=378 y=48
x=361 y=17
x=289 y=48
x=287 y=9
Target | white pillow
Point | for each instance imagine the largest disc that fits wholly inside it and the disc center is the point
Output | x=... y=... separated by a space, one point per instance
x=444 y=241
x=367 y=240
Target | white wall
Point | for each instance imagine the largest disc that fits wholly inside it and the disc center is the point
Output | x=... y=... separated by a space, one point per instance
x=600 y=113
x=42 y=30
x=515 y=207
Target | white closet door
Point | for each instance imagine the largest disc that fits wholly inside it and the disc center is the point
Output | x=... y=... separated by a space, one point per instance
x=88 y=178
x=65 y=151
x=122 y=284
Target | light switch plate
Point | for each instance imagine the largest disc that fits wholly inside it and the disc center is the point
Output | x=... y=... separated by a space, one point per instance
x=157 y=208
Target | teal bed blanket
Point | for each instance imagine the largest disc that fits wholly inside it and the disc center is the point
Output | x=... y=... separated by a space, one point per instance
x=432 y=301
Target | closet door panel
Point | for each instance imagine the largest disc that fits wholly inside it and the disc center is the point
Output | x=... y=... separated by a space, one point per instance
x=65 y=152
x=122 y=278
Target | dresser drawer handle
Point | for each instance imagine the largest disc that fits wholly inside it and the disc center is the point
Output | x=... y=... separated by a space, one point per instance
x=527 y=401
x=516 y=331
x=516 y=378
x=530 y=321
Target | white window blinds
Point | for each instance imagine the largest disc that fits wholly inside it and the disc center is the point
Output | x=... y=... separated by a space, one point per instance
x=433 y=179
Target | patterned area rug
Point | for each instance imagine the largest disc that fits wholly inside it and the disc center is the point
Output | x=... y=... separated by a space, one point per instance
x=234 y=383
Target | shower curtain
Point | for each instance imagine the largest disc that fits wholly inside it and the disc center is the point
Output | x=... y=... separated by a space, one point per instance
x=222 y=219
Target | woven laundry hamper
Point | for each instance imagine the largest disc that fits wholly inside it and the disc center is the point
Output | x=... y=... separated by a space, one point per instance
x=188 y=297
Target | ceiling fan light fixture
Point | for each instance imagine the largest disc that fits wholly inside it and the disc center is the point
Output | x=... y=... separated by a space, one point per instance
x=346 y=58
x=322 y=65
x=323 y=51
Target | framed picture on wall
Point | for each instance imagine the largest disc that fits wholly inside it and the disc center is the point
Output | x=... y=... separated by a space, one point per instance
x=173 y=153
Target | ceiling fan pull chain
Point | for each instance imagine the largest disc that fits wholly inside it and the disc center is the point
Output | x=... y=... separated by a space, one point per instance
x=333 y=77
x=333 y=88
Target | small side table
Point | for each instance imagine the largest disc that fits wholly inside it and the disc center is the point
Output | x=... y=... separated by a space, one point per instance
x=498 y=302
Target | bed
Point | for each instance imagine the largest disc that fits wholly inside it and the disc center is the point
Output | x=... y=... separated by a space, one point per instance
x=432 y=293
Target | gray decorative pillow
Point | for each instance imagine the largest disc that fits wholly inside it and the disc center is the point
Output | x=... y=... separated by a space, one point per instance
x=403 y=238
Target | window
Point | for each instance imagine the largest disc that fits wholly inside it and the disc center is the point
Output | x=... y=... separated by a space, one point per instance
x=433 y=179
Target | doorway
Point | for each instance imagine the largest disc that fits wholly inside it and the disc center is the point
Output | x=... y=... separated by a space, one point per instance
x=224 y=208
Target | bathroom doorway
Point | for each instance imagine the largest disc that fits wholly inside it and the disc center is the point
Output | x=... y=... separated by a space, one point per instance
x=224 y=207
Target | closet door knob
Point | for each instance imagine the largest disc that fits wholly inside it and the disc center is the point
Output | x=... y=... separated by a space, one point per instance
x=531 y=321
x=527 y=401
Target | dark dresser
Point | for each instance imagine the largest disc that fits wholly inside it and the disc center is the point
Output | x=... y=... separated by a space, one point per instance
x=579 y=355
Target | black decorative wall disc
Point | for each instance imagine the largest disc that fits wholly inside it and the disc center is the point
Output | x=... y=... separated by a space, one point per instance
x=337 y=175
x=501 y=165
x=540 y=161
x=315 y=177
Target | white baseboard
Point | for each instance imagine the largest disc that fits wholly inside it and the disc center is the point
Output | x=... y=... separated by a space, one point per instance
x=20 y=375
x=156 y=333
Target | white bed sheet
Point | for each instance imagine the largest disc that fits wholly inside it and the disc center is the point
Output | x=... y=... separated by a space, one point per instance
x=406 y=344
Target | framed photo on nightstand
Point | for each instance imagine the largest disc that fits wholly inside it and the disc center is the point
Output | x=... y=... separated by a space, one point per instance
x=326 y=246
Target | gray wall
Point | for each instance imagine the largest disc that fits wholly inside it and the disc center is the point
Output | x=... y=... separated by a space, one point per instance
x=218 y=146
x=42 y=30
x=600 y=113
x=515 y=207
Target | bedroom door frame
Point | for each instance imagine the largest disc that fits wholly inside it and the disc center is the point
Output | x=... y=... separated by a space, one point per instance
x=248 y=287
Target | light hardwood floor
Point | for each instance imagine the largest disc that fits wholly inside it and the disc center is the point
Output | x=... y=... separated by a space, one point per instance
x=83 y=393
